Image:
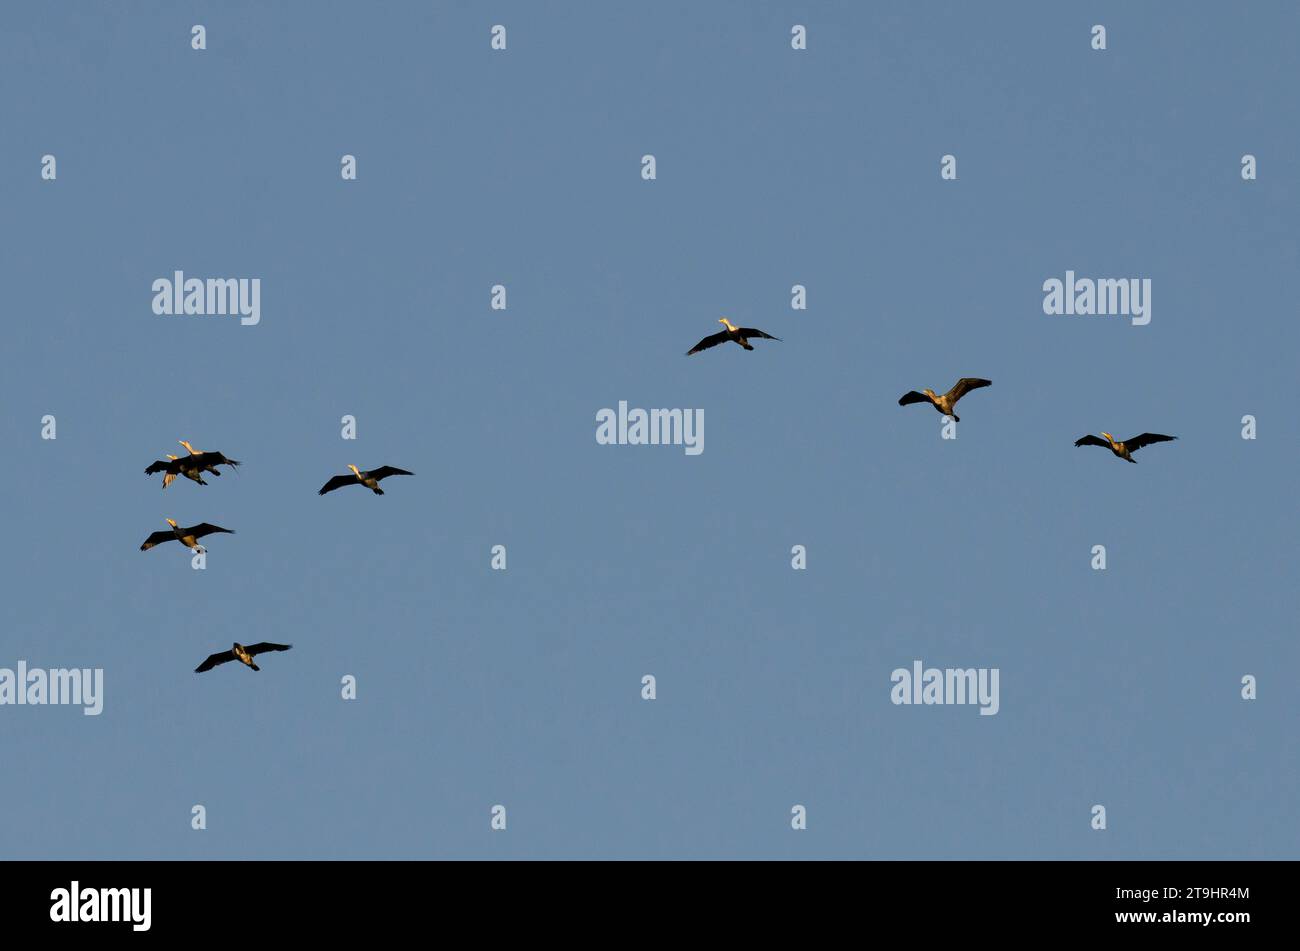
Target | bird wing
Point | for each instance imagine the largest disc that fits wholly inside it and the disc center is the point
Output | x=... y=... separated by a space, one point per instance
x=205 y=528
x=157 y=538
x=1091 y=440
x=214 y=660
x=912 y=397
x=965 y=385
x=755 y=332
x=338 y=482
x=265 y=646
x=383 y=472
x=159 y=466
x=1146 y=439
x=710 y=341
x=212 y=459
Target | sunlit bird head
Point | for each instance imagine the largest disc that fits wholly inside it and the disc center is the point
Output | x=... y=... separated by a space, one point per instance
x=171 y=522
x=1109 y=436
x=186 y=445
x=355 y=471
x=728 y=324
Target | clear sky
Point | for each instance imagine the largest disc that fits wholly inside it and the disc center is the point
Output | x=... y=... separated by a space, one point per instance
x=775 y=167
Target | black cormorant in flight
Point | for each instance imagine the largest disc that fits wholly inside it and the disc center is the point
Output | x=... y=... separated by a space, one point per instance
x=740 y=335
x=189 y=537
x=369 y=479
x=945 y=403
x=1126 y=448
x=192 y=466
x=240 y=653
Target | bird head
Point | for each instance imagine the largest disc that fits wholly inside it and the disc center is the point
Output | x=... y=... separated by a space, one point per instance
x=192 y=450
x=355 y=471
x=728 y=324
x=929 y=392
x=171 y=522
x=171 y=457
x=1109 y=436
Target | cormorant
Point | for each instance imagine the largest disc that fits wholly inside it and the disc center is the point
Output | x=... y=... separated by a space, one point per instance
x=1126 y=448
x=740 y=335
x=944 y=404
x=369 y=479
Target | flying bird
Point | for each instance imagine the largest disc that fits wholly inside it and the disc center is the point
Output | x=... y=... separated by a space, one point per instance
x=172 y=469
x=240 y=653
x=192 y=466
x=208 y=461
x=189 y=537
x=369 y=479
x=740 y=335
x=945 y=404
x=1126 y=448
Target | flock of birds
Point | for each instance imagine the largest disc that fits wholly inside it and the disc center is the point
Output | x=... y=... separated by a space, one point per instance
x=944 y=403
x=192 y=467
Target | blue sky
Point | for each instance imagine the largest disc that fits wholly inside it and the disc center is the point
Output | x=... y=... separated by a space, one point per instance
x=775 y=167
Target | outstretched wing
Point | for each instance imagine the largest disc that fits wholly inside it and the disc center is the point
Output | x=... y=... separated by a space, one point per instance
x=1091 y=440
x=912 y=397
x=1146 y=439
x=157 y=538
x=206 y=528
x=212 y=459
x=214 y=660
x=161 y=466
x=266 y=646
x=965 y=385
x=710 y=341
x=755 y=332
x=383 y=472
x=338 y=482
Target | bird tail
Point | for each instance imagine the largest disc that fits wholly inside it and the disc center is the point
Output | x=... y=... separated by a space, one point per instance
x=747 y=345
x=254 y=665
x=378 y=490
